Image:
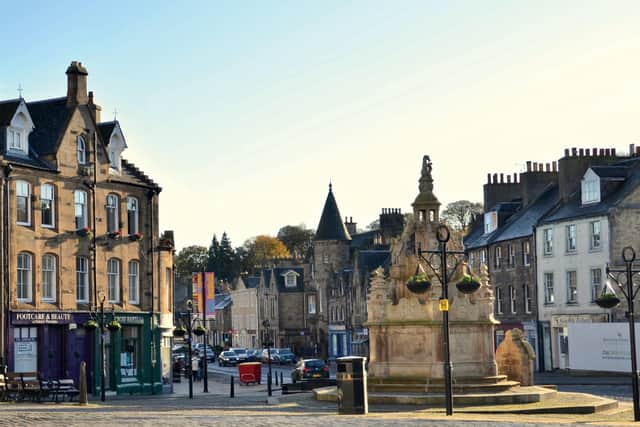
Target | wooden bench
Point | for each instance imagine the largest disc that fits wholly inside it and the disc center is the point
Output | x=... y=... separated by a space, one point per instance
x=63 y=388
x=3 y=388
x=13 y=384
x=32 y=387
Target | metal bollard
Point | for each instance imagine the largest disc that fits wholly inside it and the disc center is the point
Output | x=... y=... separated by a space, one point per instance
x=281 y=378
x=276 y=378
x=231 y=391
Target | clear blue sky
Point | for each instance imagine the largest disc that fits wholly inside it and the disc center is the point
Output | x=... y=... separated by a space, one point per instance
x=244 y=111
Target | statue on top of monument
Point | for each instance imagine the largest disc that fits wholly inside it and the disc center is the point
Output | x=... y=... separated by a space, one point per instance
x=426 y=166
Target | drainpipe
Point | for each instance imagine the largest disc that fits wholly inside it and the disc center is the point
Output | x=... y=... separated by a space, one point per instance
x=540 y=329
x=152 y=353
x=4 y=257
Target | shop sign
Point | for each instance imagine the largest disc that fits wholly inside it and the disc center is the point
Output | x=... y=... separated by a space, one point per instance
x=41 y=317
x=130 y=320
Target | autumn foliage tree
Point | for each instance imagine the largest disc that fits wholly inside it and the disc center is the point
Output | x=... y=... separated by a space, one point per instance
x=262 y=249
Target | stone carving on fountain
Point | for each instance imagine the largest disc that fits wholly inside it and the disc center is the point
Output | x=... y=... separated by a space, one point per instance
x=405 y=329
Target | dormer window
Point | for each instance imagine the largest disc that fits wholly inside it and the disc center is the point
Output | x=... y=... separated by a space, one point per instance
x=17 y=133
x=490 y=222
x=590 y=187
x=290 y=279
x=115 y=148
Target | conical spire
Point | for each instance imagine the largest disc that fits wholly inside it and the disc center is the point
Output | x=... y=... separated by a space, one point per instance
x=331 y=226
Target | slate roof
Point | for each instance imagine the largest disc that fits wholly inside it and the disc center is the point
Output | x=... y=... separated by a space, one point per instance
x=331 y=226
x=50 y=118
x=222 y=301
x=7 y=110
x=251 y=282
x=611 y=172
x=364 y=239
x=105 y=130
x=477 y=238
x=279 y=276
x=372 y=259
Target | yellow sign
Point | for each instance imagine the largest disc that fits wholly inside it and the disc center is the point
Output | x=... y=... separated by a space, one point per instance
x=444 y=305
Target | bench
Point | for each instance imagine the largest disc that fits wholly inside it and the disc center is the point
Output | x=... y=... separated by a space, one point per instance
x=3 y=388
x=13 y=386
x=32 y=387
x=63 y=388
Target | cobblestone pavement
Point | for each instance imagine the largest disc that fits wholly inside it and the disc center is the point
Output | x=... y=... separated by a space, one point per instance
x=249 y=408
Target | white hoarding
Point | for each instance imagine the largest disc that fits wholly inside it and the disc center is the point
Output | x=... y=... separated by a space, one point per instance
x=601 y=346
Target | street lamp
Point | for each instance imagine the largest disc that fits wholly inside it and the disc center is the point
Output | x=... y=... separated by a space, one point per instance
x=623 y=277
x=97 y=315
x=443 y=264
x=189 y=352
x=266 y=341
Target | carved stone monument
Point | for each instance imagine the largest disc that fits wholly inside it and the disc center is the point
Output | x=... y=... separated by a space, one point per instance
x=515 y=358
x=405 y=329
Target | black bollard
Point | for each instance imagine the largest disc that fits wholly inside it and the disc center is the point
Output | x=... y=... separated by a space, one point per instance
x=281 y=378
x=276 y=378
x=231 y=391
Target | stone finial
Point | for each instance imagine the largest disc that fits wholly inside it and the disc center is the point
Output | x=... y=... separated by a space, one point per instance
x=377 y=295
x=514 y=357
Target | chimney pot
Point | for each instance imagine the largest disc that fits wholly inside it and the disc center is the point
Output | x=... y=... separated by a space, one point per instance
x=581 y=151
x=548 y=167
x=574 y=151
x=587 y=152
x=632 y=149
x=501 y=178
x=495 y=178
x=528 y=166
x=613 y=152
x=508 y=179
x=607 y=152
x=76 y=84
x=488 y=178
x=566 y=152
x=515 y=178
x=601 y=152
x=554 y=166
x=638 y=150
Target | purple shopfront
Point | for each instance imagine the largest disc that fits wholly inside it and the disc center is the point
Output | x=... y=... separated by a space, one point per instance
x=50 y=342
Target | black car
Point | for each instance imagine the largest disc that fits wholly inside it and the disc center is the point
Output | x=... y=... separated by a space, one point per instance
x=310 y=369
x=227 y=358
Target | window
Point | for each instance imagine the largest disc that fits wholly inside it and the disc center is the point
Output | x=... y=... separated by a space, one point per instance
x=82 y=151
x=134 y=281
x=498 y=254
x=113 y=280
x=548 y=241
x=527 y=298
x=82 y=279
x=483 y=257
x=132 y=215
x=594 y=239
x=571 y=238
x=129 y=351
x=591 y=190
x=512 y=255
x=325 y=258
x=16 y=140
x=24 y=277
x=549 y=298
x=526 y=253
x=46 y=205
x=112 y=213
x=23 y=203
x=572 y=287
x=290 y=280
x=499 y=300
x=490 y=222
x=311 y=304
x=49 y=278
x=512 y=299
x=80 y=202
x=596 y=283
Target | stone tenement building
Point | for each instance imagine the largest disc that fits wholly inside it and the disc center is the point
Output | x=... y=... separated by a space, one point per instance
x=547 y=237
x=80 y=228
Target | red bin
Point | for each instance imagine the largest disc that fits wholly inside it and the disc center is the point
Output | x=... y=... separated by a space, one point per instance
x=250 y=372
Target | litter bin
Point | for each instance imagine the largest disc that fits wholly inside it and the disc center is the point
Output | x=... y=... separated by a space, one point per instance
x=250 y=372
x=351 y=379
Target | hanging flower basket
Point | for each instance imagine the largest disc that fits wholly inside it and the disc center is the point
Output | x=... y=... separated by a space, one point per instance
x=419 y=283
x=91 y=325
x=84 y=232
x=135 y=237
x=199 y=330
x=114 y=234
x=468 y=284
x=114 y=325
x=608 y=300
x=179 y=331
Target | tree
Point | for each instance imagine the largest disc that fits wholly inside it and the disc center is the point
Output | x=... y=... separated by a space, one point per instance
x=461 y=214
x=261 y=249
x=213 y=262
x=297 y=239
x=190 y=259
x=225 y=258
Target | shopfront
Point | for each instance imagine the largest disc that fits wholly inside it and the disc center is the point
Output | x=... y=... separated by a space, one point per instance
x=132 y=356
x=53 y=343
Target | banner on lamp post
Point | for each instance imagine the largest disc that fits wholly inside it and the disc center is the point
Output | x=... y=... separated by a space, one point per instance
x=210 y=296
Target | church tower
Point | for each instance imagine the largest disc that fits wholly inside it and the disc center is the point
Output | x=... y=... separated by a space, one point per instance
x=331 y=256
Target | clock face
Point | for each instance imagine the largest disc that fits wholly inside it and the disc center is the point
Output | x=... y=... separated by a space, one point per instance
x=442 y=234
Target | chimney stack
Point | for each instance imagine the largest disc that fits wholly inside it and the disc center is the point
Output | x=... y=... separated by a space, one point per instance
x=76 y=84
x=93 y=108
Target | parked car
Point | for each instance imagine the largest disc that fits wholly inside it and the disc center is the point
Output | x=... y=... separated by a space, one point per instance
x=253 y=355
x=210 y=354
x=265 y=355
x=227 y=358
x=241 y=353
x=281 y=356
x=308 y=369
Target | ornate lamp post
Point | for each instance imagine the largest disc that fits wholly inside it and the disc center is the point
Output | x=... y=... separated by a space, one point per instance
x=623 y=277
x=443 y=264
x=99 y=323
x=267 y=343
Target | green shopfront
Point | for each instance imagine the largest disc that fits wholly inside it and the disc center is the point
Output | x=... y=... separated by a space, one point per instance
x=132 y=356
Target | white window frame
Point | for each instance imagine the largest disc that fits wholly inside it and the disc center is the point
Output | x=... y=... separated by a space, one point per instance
x=290 y=280
x=111 y=208
x=80 y=207
x=20 y=135
x=23 y=191
x=547 y=241
x=24 y=280
x=512 y=255
x=311 y=304
x=490 y=222
x=572 y=286
x=133 y=215
x=526 y=253
x=499 y=300
x=134 y=282
x=47 y=193
x=497 y=252
x=113 y=280
x=82 y=279
x=512 y=299
x=483 y=257
x=590 y=189
x=527 y=298
x=81 y=149
x=572 y=238
x=549 y=296
x=596 y=283
x=49 y=278
x=595 y=235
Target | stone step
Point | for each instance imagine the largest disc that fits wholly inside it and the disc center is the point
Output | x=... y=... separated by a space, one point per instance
x=439 y=387
x=496 y=379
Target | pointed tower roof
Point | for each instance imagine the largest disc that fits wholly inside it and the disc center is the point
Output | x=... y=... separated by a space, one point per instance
x=331 y=226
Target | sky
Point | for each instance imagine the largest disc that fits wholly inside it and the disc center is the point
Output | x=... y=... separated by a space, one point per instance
x=244 y=112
